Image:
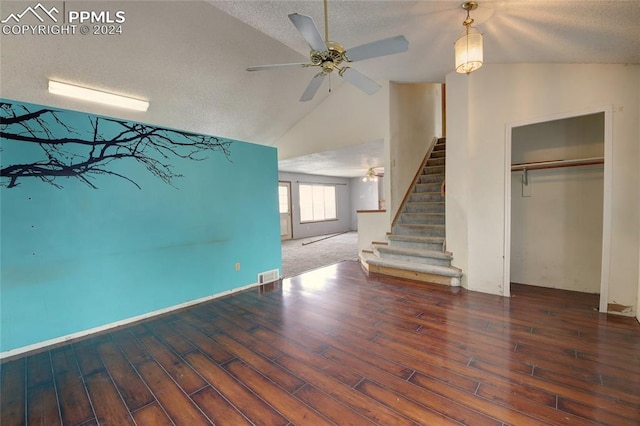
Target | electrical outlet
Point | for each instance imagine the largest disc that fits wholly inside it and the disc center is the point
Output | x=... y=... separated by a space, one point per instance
x=237 y=266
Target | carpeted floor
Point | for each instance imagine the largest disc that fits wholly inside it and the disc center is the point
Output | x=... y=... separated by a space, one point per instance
x=298 y=256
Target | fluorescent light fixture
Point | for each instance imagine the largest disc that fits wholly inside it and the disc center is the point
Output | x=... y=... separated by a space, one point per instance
x=91 y=95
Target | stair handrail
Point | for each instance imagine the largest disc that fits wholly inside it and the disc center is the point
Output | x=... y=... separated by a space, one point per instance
x=415 y=180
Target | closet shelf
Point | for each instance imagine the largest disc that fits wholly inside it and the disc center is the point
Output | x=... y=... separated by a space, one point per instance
x=556 y=164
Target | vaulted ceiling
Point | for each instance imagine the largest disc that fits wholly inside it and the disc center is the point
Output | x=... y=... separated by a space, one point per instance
x=188 y=58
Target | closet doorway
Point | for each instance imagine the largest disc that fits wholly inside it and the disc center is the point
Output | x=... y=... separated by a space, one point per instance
x=558 y=203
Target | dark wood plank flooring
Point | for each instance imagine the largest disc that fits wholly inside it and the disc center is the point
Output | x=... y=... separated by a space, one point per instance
x=336 y=346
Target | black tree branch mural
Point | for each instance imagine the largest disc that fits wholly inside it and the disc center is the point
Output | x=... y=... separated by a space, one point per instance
x=63 y=151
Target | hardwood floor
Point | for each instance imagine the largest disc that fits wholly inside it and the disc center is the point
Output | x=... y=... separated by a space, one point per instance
x=335 y=346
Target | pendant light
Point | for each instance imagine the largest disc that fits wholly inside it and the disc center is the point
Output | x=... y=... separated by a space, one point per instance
x=468 y=47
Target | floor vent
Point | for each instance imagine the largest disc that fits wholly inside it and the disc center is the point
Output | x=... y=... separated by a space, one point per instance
x=268 y=276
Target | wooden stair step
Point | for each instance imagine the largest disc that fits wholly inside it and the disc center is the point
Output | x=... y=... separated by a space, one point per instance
x=417 y=239
x=449 y=275
x=417 y=255
x=415 y=252
x=427 y=218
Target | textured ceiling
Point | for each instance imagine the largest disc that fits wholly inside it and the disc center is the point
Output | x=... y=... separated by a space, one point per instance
x=515 y=31
x=188 y=58
x=350 y=161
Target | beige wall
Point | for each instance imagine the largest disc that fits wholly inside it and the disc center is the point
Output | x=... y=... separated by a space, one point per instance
x=567 y=138
x=479 y=109
x=456 y=176
x=415 y=119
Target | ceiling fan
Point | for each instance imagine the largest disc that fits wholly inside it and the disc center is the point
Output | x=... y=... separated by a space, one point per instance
x=330 y=55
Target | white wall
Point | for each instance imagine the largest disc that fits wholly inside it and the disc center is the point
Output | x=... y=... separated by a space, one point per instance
x=479 y=108
x=556 y=220
x=414 y=121
x=364 y=196
x=556 y=234
x=372 y=226
x=329 y=127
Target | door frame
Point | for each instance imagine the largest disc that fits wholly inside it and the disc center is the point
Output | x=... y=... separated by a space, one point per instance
x=290 y=221
x=607 y=201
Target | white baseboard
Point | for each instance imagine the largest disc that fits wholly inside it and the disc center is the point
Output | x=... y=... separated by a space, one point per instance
x=63 y=339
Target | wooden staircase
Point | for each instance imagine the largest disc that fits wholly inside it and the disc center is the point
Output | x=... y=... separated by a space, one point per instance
x=415 y=248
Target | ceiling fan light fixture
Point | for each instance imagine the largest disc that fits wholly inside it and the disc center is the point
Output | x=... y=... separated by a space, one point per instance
x=371 y=176
x=331 y=55
x=468 y=47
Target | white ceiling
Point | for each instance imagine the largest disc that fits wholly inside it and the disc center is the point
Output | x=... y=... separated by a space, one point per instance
x=350 y=161
x=188 y=58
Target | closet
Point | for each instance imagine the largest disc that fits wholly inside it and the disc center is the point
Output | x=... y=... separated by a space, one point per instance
x=557 y=195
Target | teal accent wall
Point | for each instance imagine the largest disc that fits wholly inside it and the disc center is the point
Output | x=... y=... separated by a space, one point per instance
x=74 y=257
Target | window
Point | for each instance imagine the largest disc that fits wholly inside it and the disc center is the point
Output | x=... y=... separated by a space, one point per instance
x=317 y=202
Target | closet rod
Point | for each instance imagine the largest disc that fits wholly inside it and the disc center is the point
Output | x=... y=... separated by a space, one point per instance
x=556 y=164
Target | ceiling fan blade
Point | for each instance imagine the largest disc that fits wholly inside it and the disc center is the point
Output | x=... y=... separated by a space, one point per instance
x=360 y=80
x=309 y=31
x=277 y=66
x=312 y=88
x=387 y=46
